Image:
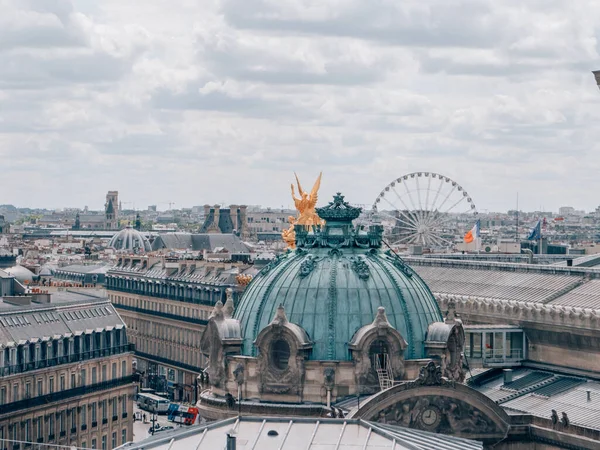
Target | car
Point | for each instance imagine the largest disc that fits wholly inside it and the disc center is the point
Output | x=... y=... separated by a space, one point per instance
x=159 y=428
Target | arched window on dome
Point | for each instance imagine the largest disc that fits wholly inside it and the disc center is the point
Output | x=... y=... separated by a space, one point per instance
x=280 y=354
x=379 y=354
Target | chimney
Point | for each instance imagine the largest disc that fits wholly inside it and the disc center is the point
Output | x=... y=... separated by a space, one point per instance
x=508 y=376
x=589 y=395
x=233 y=212
x=216 y=217
x=231 y=440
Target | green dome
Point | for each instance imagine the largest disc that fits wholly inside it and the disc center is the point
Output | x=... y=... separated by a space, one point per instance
x=333 y=284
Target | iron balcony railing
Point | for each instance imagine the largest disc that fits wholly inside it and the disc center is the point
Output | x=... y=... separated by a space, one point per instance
x=161 y=314
x=45 y=400
x=176 y=297
x=170 y=362
x=77 y=357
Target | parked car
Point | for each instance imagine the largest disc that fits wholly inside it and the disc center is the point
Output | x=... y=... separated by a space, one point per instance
x=159 y=428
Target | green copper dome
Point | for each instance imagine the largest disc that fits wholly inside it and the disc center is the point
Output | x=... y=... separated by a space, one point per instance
x=333 y=284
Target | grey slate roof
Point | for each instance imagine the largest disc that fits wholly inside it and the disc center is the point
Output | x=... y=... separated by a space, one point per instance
x=81 y=268
x=199 y=242
x=23 y=323
x=539 y=392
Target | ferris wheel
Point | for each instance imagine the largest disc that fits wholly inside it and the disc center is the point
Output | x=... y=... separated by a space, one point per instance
x=424 y=208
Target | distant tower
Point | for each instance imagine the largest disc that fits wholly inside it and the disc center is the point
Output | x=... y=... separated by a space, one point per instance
x=77 y=225
x=112 y=210
x=138 y=222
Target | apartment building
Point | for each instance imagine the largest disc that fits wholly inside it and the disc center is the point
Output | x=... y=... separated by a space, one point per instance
x=65 y=372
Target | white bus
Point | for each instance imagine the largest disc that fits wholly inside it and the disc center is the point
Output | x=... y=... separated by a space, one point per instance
x=153 y=403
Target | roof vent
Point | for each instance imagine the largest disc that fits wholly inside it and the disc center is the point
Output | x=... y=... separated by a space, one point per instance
x=589 y=395
x=508 y=376
x=275 y=433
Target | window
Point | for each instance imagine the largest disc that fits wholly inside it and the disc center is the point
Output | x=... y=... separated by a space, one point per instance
x=61 y=422
x=114 y=370
x=40 y=387
x=104 y=372
x=28 y=430
x=115 y=407
x=114 y=439
x=94 y=414
x=123 y=436
x=73 y=382
x=62 y=383
x=3 y=395
x=84 y=444
x=83 y=374
x=94 y=443
x=104 y=442
x=83 y=416
x=28 y=390
x=94 y=376
x=123 y=368
x=51 y=426
x=124 y=404
x=280 y=354
x=40 y=428
x=51 y=382
x=15 y=392
x=103 y=406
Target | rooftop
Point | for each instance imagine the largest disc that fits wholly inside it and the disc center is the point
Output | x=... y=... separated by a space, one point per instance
x=306 y=434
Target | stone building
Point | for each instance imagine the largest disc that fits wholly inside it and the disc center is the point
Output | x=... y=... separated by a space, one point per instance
x=66 y=368
x=165 y=303
x=337 y=317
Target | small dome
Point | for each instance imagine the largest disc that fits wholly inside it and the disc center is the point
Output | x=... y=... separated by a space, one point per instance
x=130 y=240
x=21 y=274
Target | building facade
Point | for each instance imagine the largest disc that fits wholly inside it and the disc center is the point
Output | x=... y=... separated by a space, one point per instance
x=165 y=303
x=66 y=373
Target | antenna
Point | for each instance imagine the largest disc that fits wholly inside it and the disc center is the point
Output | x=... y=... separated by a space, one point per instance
x=517 y=225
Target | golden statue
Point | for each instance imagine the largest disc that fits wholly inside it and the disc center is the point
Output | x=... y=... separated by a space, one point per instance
x=243 y=279
x=289 y=235
x=306 y=204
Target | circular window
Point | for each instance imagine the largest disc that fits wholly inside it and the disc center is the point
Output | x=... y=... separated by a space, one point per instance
x=280 y=354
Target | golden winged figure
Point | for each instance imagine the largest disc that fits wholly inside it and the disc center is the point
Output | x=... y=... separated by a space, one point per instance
x=306 y=203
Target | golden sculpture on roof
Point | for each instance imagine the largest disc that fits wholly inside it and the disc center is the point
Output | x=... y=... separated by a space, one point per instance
x=307 y=216
x=306 y=203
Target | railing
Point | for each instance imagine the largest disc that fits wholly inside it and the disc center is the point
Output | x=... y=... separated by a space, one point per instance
x=161 y=314
x=179 y=298
x=43 y=400
x=169 y=362
x=498 y=354
x=77 y=357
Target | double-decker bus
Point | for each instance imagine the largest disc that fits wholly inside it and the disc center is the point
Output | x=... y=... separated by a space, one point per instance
x=153 y=403
x=186 y=415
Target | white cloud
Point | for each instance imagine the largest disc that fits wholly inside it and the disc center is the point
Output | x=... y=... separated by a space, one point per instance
x=222 y=100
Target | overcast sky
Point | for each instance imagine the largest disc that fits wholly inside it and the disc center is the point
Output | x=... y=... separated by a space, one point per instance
x=211 y=101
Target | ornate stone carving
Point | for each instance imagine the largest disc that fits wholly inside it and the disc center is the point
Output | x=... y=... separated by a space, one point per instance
x=361 y=268
x=238 y=374
x=329 y=377
x=307 y=266
x=439 y=414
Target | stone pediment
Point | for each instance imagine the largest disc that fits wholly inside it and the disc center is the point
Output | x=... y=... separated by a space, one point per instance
x=433 y=403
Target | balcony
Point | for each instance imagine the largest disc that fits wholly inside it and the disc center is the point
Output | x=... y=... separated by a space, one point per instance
x=63 y=433
x=83 y=427
x=94 y=424
x=73 y=430
x=164 y=315
x=104 y=421
x=124 y=415
x=78 y=357
x=179 y=298
x=44 y=400
x=169 y=362
x=50 y=437
x=115 y=418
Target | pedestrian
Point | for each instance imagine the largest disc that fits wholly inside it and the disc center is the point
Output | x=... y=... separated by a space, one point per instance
x=145 y=418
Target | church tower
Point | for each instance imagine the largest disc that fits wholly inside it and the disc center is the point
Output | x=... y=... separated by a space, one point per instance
x=112 y=210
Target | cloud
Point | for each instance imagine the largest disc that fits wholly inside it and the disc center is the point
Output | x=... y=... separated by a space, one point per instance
x=222 y=100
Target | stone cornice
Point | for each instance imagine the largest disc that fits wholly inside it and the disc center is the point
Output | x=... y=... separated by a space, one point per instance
x=522 y=312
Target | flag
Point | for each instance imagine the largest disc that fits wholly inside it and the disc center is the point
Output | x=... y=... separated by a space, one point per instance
x=473 y=233
x=536 y=232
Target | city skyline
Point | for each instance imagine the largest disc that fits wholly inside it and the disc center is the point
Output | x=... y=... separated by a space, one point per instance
x=213 y=98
